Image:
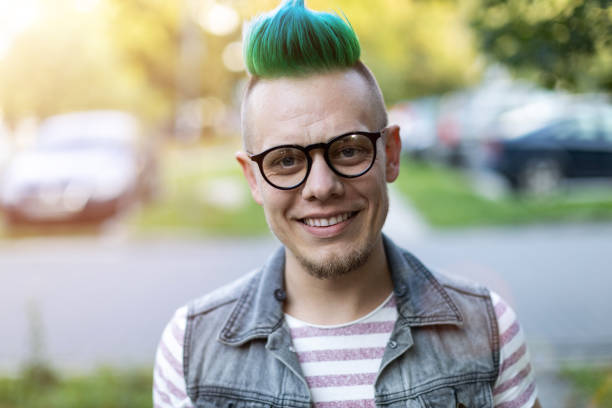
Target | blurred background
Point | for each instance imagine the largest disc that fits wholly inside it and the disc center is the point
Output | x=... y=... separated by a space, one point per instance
x=120 y=198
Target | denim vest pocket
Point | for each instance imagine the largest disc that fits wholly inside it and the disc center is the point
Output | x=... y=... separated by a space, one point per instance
x=474 y=395
x=224 y=397
x=225 y=402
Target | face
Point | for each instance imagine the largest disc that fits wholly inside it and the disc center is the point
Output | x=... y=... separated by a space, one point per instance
x=330 y=224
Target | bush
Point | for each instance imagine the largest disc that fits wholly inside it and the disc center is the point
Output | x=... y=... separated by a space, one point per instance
x=40 y=387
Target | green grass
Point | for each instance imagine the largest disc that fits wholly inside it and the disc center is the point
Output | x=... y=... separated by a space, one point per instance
x=446 y=198
x=40 y=387
x=593 y=385
x=104 y=388
x=204 y=192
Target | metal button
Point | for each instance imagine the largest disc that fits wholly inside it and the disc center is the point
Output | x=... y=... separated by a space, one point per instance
x=280 y=295
x=393 y=344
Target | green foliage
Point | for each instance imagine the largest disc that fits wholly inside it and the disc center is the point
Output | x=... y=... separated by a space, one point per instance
x=148 y=55
x=559 y=42
x=294 y=41
x=145 y=37
x=105 y=388
x=414 y=48
x=168 y=53
x=63 y=63
x=446 y=199
x=592 y=384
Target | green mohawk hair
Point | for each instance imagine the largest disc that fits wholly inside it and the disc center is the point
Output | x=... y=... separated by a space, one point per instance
x=293 y=41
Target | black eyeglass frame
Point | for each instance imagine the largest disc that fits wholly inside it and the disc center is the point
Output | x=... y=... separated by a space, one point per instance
x=258 y=158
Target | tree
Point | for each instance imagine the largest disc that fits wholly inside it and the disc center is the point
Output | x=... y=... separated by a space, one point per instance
x=163 y=44
x=149 y=56
x=560 y=43
x=62 y=63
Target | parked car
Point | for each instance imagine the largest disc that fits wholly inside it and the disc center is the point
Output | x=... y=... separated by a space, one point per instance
x=5 y=147
x=417 y=121
x=574 y=147
x=466 y=117
x=84 y=166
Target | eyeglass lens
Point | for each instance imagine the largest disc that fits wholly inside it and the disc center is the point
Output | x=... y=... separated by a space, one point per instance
x=349 y=156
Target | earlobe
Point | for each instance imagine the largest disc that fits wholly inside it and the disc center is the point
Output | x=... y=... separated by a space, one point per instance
x=249 y=174
x=393 y=148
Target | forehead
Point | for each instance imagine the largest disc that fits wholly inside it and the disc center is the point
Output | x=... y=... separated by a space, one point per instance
x=307 y=110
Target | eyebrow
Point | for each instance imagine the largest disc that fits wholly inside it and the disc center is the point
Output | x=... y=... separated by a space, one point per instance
x=310 y=144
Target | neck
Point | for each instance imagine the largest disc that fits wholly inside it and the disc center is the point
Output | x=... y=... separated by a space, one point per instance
x=341 y=299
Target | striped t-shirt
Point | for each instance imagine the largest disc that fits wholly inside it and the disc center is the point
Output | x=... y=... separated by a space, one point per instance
x=340 y=362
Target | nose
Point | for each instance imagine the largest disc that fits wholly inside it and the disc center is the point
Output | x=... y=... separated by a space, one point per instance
x=322 y=183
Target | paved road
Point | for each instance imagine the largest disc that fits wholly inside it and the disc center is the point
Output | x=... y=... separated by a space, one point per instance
x=106 y=299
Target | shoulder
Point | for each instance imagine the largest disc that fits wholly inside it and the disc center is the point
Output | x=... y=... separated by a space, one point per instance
x=473 y=300
x=461 y=285
x=221 y=298
x=404 y=261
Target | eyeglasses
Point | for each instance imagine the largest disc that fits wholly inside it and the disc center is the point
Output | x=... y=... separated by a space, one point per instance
x=349 y=155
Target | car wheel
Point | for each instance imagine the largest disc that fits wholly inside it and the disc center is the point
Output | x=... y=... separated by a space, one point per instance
x=540 y=176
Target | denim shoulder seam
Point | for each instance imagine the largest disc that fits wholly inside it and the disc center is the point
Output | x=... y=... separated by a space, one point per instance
x=211 y=308
x=187 y=349
x=464 y=291
x=494 y=335
x=460 y=284
x=221 y=296
x=237 y=311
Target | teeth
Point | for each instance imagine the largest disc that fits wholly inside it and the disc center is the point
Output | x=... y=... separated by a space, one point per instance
x=326 y=222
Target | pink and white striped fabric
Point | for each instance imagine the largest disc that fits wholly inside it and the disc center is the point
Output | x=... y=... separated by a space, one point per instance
x=340 y=362
x=169 y=390
x=515 y=386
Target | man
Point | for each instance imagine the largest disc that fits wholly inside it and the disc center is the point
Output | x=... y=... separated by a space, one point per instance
x=339 y=316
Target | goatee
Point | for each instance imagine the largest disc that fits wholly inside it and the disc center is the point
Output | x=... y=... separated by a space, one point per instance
x=336 y=266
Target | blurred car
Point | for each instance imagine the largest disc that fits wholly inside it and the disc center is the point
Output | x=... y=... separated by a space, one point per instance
x=577 y=146
x=5 y=147
x=466 y=117
x=84 y=166
x=417 y=122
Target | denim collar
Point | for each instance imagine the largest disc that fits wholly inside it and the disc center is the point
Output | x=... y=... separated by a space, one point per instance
x=421 y=299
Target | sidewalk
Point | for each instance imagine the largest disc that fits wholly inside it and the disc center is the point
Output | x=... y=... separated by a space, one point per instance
x=404 y=224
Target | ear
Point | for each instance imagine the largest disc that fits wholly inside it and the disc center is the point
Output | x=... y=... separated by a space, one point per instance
x=249 y=174
x=393 y=148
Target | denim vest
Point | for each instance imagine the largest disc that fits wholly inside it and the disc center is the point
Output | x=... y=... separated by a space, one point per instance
x=443 y=351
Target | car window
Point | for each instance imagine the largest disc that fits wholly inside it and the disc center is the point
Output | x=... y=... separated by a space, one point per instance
x=565 y=131
x=606 y=127
x=588 y=126
x=81 y=131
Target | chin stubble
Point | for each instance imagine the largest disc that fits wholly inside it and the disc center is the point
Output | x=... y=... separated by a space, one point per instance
x=337 y=266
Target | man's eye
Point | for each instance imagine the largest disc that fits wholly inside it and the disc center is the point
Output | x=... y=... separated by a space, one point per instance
x=287 y=161
x=347 y=152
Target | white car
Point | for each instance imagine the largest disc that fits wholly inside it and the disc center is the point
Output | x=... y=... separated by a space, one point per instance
x=84 y=166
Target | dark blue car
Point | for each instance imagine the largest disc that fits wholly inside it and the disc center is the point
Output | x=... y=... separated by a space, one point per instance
x=573 y=147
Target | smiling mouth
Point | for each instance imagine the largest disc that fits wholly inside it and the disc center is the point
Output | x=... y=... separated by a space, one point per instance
x=328 y=222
